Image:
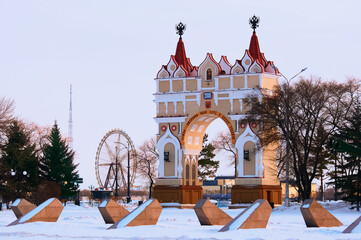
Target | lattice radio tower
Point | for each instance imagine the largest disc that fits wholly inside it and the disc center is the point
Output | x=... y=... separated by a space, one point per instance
x=70 y=122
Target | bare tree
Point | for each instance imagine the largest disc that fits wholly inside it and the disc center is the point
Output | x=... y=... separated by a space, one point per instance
x=300 y=111
x=38 y=134
x=147 y=162
x=7 y=108
x=223 y=142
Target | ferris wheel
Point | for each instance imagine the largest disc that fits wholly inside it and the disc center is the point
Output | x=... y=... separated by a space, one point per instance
x=111 y=161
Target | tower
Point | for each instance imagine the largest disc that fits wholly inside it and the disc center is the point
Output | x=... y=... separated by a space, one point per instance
x=189 y=98
x=70 y=122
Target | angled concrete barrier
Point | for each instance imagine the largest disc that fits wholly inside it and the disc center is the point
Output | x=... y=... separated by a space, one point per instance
x=146 y=214
x=317 y=216
x=210 y=214
x=111 y=211
x=21 y=207
x=255 y=216
x=48 y=211
x=354 y=227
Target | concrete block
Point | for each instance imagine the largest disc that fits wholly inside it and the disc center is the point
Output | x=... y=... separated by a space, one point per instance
x=146 y=214
x=210 y=214
x=255 y=216
x=317 y=216
x=48 y=211
x=355 y=225
x=111 y=211
x=21 y=207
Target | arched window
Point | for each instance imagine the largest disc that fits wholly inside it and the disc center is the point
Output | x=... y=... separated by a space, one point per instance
x=187 y=174
x=209 y=75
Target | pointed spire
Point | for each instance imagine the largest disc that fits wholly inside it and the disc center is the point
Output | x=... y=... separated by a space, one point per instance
x=180 y=54
x=254 y=49
x=254 y=46
x=70 y=122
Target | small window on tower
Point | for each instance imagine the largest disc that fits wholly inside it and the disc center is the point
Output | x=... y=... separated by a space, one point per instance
x=209 y=75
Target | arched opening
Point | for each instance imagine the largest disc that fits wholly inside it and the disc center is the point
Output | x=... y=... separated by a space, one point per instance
x=218 y=131
x=187 y=174
x=194 y=174
x=212 y=123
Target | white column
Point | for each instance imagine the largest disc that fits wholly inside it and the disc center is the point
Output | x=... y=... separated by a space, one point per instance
x=215 y=98
x=166 y=108
x=190 y=171
x=245 y=81
x=260 y=79
x=180 y=166
x=231 y=82
x=170 y=85
x=199 y=86
x=184 y=85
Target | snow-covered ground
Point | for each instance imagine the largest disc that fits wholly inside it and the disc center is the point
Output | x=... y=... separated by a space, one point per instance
x=85 y=222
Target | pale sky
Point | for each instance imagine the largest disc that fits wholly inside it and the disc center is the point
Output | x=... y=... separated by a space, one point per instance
x=110 y=51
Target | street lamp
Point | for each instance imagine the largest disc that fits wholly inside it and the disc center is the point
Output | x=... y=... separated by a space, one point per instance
x=287 y=198
x=116 y=171
x=128 y=191
x=13 y=173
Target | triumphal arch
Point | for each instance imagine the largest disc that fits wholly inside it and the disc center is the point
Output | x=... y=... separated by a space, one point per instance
x=188 y=98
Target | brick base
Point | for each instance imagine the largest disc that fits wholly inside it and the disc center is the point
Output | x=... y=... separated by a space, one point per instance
x=182 y=194
x=248 y=194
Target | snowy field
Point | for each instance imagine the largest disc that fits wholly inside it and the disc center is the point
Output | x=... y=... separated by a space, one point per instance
x=85 y=222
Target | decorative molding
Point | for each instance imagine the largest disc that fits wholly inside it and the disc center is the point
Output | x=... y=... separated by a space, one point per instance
x=168 y=137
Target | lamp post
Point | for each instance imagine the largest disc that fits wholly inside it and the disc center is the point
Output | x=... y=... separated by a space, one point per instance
x=116 y=171
x=128 y=184
x=13 y=173
x=128 y=192
x=288 y=81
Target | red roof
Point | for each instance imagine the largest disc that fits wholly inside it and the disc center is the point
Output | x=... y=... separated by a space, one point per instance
x=180 y=54
x=254 y=48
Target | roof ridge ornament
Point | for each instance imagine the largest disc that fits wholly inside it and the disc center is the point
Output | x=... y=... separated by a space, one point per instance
x=254 y=22
x=180 y=27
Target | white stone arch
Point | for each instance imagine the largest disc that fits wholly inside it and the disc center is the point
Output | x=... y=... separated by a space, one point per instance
x=168 y=137
x=249 y=136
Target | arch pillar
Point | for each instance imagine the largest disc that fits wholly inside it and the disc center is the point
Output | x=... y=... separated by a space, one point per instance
x=252 y=180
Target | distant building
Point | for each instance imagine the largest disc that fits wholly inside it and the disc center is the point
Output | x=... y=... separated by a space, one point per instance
x=220 y=185
x=293 y=190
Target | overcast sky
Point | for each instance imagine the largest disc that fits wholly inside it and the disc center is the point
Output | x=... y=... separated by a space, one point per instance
x=110 y=51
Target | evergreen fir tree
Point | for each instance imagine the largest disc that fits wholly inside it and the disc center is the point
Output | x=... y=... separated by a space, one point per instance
x=207 y=167
x=348 y=143
x=57 y=163
x=18 y=164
